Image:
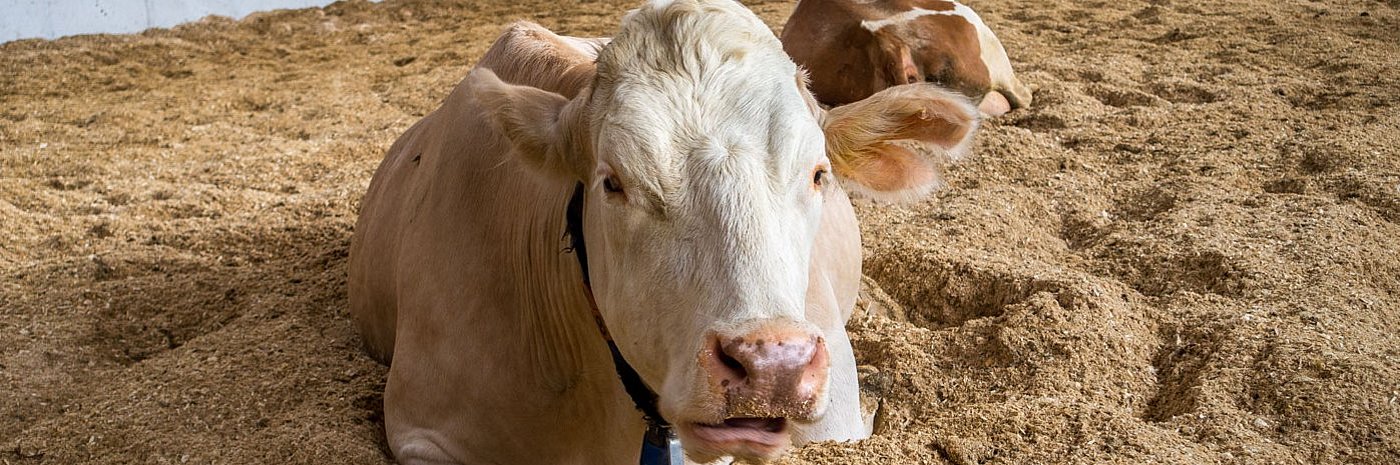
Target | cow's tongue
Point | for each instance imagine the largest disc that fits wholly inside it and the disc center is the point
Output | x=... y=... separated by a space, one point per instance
x=765 y=431
x=771 y=425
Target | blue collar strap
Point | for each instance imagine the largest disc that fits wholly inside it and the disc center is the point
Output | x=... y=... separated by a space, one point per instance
x=661 y=447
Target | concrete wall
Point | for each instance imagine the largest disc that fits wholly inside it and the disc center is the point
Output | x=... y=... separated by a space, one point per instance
x=21 y=19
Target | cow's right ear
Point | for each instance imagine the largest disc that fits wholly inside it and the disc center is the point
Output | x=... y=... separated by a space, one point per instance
x=537 y=122
x=861 y=139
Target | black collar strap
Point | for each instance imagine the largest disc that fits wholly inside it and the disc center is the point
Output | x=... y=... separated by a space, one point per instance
x=660 y=445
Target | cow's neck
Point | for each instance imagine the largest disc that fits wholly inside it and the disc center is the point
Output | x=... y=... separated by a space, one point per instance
x=660 y=446
x=554 y=320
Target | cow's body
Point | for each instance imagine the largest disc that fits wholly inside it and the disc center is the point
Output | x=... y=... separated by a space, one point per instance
x=854 y=48
x=519 y=317
x=459 y=274
x=505 y=359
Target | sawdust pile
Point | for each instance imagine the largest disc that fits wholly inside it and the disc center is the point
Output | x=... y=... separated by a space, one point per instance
x=1188 y=252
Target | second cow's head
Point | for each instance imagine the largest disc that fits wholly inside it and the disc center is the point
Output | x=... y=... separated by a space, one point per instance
x=706 y=164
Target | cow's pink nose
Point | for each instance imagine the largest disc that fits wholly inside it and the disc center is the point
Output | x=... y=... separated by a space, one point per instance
x=770 y=372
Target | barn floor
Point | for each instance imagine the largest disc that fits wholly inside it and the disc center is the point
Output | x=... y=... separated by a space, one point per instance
x=1187 y=252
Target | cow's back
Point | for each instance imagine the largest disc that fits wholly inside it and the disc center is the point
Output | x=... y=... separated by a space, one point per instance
x=528 y=54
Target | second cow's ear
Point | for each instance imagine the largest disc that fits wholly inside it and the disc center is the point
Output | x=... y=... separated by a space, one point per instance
x=861 y=139
x=894 y=59
x=537 y=122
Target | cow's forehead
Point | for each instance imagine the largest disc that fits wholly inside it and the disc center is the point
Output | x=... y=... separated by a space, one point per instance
x=755 y=130
x=738 y=105
x=688 y=37
x=701 y=79
x=933 y=8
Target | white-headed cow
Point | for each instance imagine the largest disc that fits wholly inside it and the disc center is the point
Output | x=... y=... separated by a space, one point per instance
x=689 y=159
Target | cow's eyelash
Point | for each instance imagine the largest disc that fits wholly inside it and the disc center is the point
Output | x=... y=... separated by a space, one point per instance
x=612 y=185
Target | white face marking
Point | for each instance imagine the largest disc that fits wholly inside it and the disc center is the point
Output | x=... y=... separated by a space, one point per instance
x=993 y=54
x=959 y=9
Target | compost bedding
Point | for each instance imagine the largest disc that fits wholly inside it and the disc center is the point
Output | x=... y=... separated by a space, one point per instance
x=1185 y=252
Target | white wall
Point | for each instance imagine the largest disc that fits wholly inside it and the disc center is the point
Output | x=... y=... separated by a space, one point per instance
x=21 y=19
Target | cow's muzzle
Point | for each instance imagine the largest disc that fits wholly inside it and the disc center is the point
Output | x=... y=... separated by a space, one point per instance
x=766 y=377
x=768 y=373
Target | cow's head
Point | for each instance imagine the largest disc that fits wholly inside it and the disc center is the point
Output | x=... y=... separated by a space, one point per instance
x=856 y=50
x=706 y=165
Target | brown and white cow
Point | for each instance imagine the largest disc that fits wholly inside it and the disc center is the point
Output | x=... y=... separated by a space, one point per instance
x=723 y=257
x=855 y=48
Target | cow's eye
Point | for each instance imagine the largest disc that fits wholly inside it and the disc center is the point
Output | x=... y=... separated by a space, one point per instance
x=611 y=185
x=819 y=177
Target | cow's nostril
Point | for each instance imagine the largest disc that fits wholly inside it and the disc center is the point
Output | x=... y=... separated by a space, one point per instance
x=736 y=368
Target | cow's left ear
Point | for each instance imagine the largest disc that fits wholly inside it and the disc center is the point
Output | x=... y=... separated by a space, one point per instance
x=538 y=123
x=861 y=139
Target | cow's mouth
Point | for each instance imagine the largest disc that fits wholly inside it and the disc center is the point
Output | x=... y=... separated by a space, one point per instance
x=744 y=435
